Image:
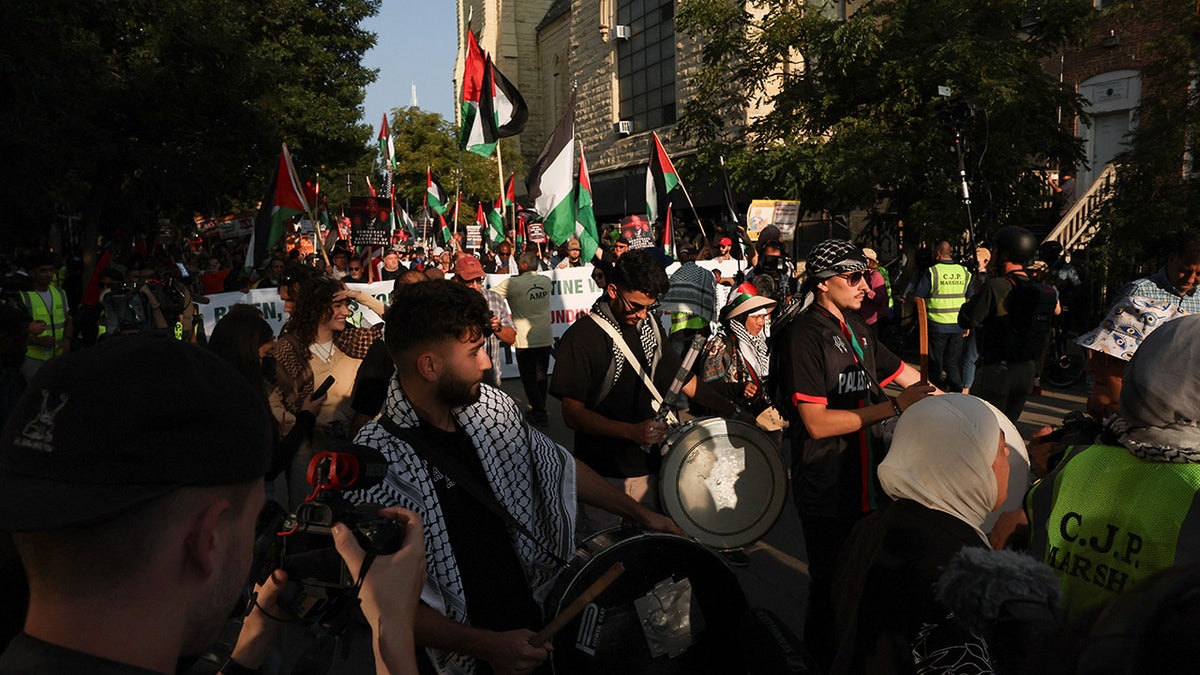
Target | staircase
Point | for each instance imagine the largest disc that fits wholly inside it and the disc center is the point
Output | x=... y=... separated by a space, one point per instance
x=1077 y=227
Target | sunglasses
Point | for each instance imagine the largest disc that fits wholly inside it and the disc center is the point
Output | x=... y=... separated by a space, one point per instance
x=633 y=307
x=472 y=282
x=853 y=277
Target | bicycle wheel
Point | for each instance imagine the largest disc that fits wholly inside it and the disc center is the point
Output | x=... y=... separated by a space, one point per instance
x=1064 y=363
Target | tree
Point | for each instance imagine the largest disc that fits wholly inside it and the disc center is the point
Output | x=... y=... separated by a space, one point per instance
x=426 y=139
x=1156 y=194
x=130 y=110
x=854 y=118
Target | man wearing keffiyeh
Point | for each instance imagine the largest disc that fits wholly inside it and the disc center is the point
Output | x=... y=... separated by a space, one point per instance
x=832 y=372
x=479 y=606
x=604 y=399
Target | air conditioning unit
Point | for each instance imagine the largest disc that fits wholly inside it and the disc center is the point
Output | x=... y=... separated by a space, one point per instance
x=624 y=127
x=622 y=31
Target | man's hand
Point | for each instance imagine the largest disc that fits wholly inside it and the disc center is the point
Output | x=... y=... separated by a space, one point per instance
x=495 y=323
x=659 y=523
x=750 y=390
x=649 y=432
x=1041 y=450
x=914 y=393
x=258 y=629
x=510 y=652
x=390 y=592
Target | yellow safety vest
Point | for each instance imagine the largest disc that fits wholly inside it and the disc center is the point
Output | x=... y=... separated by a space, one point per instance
x=55 y=317
x=948 y=284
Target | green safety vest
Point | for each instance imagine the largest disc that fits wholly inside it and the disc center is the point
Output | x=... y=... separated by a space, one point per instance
x=1106 y=520
x=887 y=283
x=55 y=317
x=948 y=284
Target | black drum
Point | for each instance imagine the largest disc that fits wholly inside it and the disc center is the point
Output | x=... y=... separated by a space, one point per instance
x=677 y=608
x=722 y=481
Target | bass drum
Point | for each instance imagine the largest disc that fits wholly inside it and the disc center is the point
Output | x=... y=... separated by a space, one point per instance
x=722 y=481
x=677 y=608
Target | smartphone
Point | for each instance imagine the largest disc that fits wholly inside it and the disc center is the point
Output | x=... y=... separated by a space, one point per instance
x=320 y=391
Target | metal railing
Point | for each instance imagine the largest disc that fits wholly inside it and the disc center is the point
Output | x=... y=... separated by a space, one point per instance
x=1077 y=226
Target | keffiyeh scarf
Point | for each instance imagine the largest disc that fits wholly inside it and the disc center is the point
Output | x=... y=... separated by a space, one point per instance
x=647 y=334
x=753 y=348
x=531 y=476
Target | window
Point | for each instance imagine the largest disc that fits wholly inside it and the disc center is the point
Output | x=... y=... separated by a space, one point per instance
x=646 y=63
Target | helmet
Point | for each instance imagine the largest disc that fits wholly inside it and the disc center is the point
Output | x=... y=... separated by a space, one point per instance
x=1014 y=244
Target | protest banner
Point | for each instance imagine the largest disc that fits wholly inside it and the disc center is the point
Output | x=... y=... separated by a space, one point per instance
x=780 y=213
x=370 y=223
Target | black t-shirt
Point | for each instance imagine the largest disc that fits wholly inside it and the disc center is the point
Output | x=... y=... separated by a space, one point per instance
x=494 y=584
x=30 y=656
x=371 y=382
x=836 y=476
x=581 y=365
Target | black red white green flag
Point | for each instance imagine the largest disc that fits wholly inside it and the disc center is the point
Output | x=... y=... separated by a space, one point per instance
x=551 y=182
x=387 y=145
x=585 y=214
x=668 y=237
x=478 y=132
x=283 y=200
x=436 y=198
x=508 y=104
x=661 y=178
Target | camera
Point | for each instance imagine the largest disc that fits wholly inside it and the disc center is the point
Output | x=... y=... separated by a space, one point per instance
x=320 y=591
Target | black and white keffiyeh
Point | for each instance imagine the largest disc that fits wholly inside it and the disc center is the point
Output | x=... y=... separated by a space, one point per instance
x=647 y=334
x=829 y=259
x=753 y=348
x=531 y=476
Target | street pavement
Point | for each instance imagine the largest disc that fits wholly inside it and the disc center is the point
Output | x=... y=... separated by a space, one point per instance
x=777 y=577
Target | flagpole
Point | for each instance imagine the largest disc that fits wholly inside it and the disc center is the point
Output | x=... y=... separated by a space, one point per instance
x=697 y=215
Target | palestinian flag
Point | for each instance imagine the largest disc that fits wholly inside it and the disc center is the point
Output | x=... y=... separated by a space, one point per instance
x=387 y=145
x=510 y=191
x=495 y=219
x=408 y=228
x=481 y=221
x=435 y=197
x=551 y=185
x=508 y=105
x=283 y=200
x=585 y=215
x=446 y=236
x=479 y=132
x=661 y=178
x=668 y=236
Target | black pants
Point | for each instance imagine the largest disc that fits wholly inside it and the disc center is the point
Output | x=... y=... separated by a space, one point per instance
x=1004 y=384
x=533 y=363
x=824 y=537
x=945 y=354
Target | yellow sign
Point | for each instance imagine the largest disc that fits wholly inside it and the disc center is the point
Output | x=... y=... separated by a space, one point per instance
x=780 y=213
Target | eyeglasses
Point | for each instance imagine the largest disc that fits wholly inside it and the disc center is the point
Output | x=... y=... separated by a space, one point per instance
x=633 y=307
x=853 y=278
x=472 y=282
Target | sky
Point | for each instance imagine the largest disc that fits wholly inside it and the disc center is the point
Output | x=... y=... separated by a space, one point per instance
x=415 y=43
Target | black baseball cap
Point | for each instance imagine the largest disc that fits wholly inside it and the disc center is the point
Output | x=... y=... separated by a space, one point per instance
x=106 y=429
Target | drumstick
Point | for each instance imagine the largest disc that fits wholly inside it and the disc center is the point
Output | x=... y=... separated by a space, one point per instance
x=923 y=327
x=556 y=624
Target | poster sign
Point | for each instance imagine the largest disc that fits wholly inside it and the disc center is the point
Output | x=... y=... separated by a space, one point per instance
x=780 y=213
x=474 y=236
x=537 y=233
x=636 y=229
x=370 y=221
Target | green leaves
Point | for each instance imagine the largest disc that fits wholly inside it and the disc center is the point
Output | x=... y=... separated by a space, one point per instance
x=849 y=115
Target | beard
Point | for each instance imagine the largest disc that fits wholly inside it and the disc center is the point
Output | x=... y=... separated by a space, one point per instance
x=457 y=392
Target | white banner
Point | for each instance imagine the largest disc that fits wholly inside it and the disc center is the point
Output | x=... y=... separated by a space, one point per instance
x=571 y=295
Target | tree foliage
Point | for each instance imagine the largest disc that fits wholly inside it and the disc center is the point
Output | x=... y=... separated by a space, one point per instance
x=854 y=119
x=1156 y=195
x=131 y=110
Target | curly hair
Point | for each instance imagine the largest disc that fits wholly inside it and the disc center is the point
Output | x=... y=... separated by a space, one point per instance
x=313 y=307
x=639 y=271
x=432 y=312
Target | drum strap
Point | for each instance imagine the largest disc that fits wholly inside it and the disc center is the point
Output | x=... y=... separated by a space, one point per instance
x=656 y=399
x=455 y=470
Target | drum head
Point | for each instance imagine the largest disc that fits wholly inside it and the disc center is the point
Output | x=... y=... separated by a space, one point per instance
x=723 y=481
x=677 y=608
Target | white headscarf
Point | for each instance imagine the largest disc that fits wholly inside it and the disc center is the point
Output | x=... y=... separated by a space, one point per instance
x=941 y=457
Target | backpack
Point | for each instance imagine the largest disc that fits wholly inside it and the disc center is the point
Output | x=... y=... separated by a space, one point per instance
x=1030 y=306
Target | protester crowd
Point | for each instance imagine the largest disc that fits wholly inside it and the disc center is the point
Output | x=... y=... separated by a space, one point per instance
x=139 y=448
